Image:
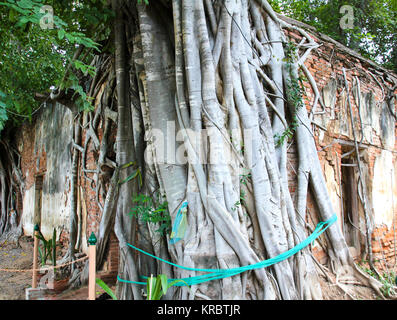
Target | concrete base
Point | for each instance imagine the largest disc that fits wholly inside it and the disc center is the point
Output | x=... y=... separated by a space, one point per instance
x=39 y=294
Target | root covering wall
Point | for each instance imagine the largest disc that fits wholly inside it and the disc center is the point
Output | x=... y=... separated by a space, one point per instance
x=46 y=150
x=375 y=131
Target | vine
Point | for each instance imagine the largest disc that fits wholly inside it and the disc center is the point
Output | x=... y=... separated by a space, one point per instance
x=295 y=93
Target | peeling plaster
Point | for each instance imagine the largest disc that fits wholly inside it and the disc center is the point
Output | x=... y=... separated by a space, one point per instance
x=383 y=181
x=333 y=189
x=53 y=134
x=28 y=211
x=387 y=126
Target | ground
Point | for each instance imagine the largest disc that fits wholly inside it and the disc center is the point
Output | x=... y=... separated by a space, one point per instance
x=333 y=292
x=13 y=284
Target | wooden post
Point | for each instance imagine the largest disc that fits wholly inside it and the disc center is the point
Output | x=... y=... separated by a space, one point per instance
x=35 y=255
x=92 y=266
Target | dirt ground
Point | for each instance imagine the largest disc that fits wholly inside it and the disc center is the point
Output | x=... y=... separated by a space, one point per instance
x=13 y=285
x=333 y=292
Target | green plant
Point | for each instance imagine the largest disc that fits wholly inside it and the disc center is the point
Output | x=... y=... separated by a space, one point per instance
x=48 y=250
x=144 y=210
x=287 y=134
x=387 y=280
x=158 y=286
x=236 y=205
x=294 y=92
x=35 y=58
x=244 y=178
x=242 y=197
x=105 y=287
x=370 y=35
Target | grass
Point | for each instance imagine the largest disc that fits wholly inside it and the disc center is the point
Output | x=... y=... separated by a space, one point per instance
x=388 y=280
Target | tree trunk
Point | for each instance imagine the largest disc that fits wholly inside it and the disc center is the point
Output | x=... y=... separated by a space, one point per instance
x=191 y=76
x=204 y=107
x=125 y=228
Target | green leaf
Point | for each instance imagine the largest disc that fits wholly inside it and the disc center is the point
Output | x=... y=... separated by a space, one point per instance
x=22 y=21
x=61 y=34
x=151 y=283
x=70 y=37
x=16 y=8
x=26 y=4
x=172 y=283
x=105 y=287
x=164 y=282
x=41 y=255
x=81 y=66
x=128 y=165
x=40 y=237
x=157 y=294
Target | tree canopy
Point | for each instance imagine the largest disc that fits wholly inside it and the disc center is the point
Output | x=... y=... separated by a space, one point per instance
x=39 y=39
x=33 y=59
x=372 y=33
x=193 y=64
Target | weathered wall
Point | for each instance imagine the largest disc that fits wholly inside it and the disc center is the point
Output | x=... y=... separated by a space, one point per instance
x=375 y=130
x=45 y=147
x=383 y=183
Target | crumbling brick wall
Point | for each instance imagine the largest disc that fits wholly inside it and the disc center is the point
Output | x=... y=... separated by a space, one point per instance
x=334 y=137
x=333 y=134
x=45 y=146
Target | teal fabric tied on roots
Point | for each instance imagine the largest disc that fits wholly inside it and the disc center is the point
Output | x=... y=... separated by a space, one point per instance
x=180 y=224
x=214 y=274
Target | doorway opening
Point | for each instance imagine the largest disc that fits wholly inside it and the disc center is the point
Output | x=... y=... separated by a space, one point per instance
x=350 y=200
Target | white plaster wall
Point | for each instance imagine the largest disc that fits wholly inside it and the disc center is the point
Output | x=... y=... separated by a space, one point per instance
x=53 y=134
x=28 y=211
x=331 y=180
x=54 y=214
x=384 y=202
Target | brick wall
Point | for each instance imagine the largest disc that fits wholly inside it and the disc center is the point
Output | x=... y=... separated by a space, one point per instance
x=326 y=64
x=31 y=144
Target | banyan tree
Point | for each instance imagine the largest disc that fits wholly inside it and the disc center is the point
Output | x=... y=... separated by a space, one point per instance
x=196 y=102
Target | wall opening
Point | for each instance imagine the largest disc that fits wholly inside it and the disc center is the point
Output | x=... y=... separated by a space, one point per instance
x=350 y=201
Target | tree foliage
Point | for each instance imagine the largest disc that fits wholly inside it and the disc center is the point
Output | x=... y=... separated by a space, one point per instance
x=374 y=29
x=34 y=58
x=191 y=63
